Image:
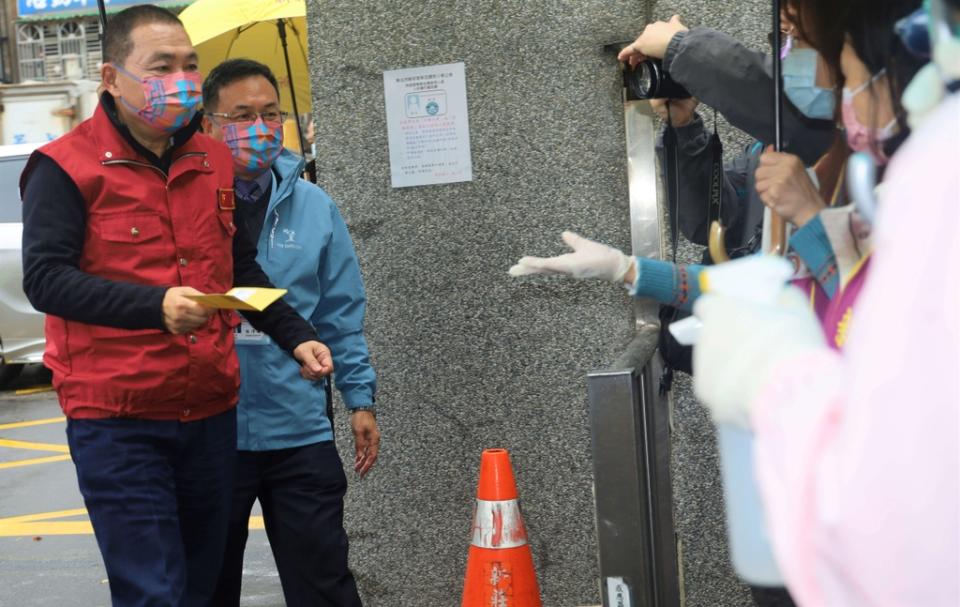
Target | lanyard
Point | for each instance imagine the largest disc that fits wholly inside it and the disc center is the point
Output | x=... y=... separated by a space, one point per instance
x=672 y=169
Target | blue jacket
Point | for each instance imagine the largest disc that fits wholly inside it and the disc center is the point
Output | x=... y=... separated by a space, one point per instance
x=304 y=247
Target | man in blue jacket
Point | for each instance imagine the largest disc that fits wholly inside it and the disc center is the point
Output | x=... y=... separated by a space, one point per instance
x=287 y=457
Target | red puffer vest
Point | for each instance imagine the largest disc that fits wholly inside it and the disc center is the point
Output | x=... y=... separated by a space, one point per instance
x=146 y=227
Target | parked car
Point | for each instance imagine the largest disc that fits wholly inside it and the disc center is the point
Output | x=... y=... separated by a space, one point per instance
x=21 y=327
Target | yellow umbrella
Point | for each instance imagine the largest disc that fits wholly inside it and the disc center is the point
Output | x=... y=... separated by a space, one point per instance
x=273 y=32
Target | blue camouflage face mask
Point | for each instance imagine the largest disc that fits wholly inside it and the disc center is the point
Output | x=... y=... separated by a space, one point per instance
x=800 y=85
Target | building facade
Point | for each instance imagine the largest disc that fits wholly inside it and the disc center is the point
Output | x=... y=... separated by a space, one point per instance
x=53 y=40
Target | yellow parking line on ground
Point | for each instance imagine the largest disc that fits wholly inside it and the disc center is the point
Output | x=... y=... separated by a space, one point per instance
x=48 y=528
x=42 y=516
x=38 y=525
x=35 y=422
x=32 y=446
x=34 y=461
x=33 y=390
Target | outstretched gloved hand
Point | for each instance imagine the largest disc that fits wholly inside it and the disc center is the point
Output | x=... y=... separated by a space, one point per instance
x=589 y=260
x=741 y=342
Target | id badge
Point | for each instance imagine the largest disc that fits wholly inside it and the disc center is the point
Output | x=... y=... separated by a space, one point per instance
x=246 y=335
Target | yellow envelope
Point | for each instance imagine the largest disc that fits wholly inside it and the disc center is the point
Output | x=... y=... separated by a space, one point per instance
x=255 y=299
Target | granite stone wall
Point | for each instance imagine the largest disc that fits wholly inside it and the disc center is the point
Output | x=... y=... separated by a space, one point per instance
x=467 y=357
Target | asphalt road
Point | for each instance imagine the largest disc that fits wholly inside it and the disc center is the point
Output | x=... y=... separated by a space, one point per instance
x=48 y=555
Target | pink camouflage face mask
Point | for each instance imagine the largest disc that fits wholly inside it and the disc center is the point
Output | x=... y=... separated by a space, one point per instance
x=254 y=145
x=170 y=101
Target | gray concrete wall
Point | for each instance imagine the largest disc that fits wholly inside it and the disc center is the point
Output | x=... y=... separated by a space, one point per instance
x=467 y=357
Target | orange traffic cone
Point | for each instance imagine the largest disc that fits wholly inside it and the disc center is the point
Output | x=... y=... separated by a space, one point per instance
x=499 y=567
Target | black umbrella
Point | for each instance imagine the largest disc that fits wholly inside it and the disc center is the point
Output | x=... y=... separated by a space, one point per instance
x=777 y=79
x=282 y=31
x=103 y=22
x=778 y=227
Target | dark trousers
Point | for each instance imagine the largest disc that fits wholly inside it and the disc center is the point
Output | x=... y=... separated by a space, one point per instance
x=158 y=494
x=301 y=493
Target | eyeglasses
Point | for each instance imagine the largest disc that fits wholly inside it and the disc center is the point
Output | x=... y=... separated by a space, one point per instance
x=268 y=116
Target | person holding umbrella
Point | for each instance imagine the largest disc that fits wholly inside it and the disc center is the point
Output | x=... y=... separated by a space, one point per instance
x=862 y=49
x=271 y=32
x=126 y=218
x=287 y=458
x=856 y=451
x=738 y=83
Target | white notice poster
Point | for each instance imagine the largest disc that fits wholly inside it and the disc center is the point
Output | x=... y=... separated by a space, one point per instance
x=427 y=125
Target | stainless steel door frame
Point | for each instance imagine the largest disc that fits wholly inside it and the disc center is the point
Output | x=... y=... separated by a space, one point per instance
x=630 y=437
x=630 y=420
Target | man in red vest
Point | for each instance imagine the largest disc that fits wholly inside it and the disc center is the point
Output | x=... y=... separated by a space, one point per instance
x=124 y=217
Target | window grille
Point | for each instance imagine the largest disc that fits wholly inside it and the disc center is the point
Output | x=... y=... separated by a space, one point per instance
x=72 y=50
x=30 y=50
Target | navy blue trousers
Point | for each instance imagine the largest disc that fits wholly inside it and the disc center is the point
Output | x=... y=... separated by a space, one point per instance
x=158 y=494
x=301 y=493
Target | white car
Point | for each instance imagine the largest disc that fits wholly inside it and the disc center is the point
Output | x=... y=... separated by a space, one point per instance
x=21 y=327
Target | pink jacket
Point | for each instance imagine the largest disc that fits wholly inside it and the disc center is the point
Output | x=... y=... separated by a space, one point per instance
x=857 y=451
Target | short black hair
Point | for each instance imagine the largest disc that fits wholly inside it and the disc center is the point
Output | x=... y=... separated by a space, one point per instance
x=229 y=72
x=116 y=37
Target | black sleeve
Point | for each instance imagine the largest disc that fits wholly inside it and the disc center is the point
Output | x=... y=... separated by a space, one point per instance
x=280 y=321
x=694 y=163
x=738 y=82
x=54 y=229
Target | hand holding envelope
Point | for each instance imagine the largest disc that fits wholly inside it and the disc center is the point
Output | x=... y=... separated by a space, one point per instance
x=251 y=299
x=186 y=309
x=181 y=314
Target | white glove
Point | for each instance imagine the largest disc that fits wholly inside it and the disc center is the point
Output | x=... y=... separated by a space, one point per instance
x=740 y=344
x=589 y=260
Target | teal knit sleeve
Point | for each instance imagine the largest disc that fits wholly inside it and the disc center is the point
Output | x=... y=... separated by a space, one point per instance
x=668 y=283
x=813 y=247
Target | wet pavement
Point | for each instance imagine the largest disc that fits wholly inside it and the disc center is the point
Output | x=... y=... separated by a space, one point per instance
x=48 y=554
